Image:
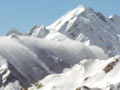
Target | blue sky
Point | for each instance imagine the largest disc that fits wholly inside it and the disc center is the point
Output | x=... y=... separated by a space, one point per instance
x=23 y=14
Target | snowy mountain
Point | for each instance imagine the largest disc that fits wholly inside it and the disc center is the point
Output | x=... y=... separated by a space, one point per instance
x=21 y=56
x=85 y=25
x=87 y=75
x=70 y=54
x=13 y=31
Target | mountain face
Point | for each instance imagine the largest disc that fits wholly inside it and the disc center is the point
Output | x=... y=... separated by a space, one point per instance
x=86 y=26
x=116 y=21
x=70 y=54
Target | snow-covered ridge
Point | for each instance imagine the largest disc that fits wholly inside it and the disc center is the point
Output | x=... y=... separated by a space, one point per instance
x=87 y=75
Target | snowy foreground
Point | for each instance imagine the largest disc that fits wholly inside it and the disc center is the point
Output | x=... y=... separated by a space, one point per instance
x=79 y=51
x=89 y=74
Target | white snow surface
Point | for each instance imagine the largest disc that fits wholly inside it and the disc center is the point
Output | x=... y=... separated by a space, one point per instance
x=89 y=74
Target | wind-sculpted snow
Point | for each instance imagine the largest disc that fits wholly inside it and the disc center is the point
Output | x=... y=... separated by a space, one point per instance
x=87 y=75
x=30 y=59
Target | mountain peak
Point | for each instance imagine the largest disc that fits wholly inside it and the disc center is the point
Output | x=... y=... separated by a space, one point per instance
x=80 y=8
x=71 y=16
x=85 y=25
x=13 y=31
x=114 y=17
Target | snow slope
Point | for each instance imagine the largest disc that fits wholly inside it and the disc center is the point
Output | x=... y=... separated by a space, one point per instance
x=89 y=74
x=24 y=55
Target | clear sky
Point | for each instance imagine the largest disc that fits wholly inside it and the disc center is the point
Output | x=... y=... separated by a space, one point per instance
x=23 y=14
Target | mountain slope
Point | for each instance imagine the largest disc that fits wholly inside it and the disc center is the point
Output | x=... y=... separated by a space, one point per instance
x=27 y=55
x=85 y=25
x=87 y=75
